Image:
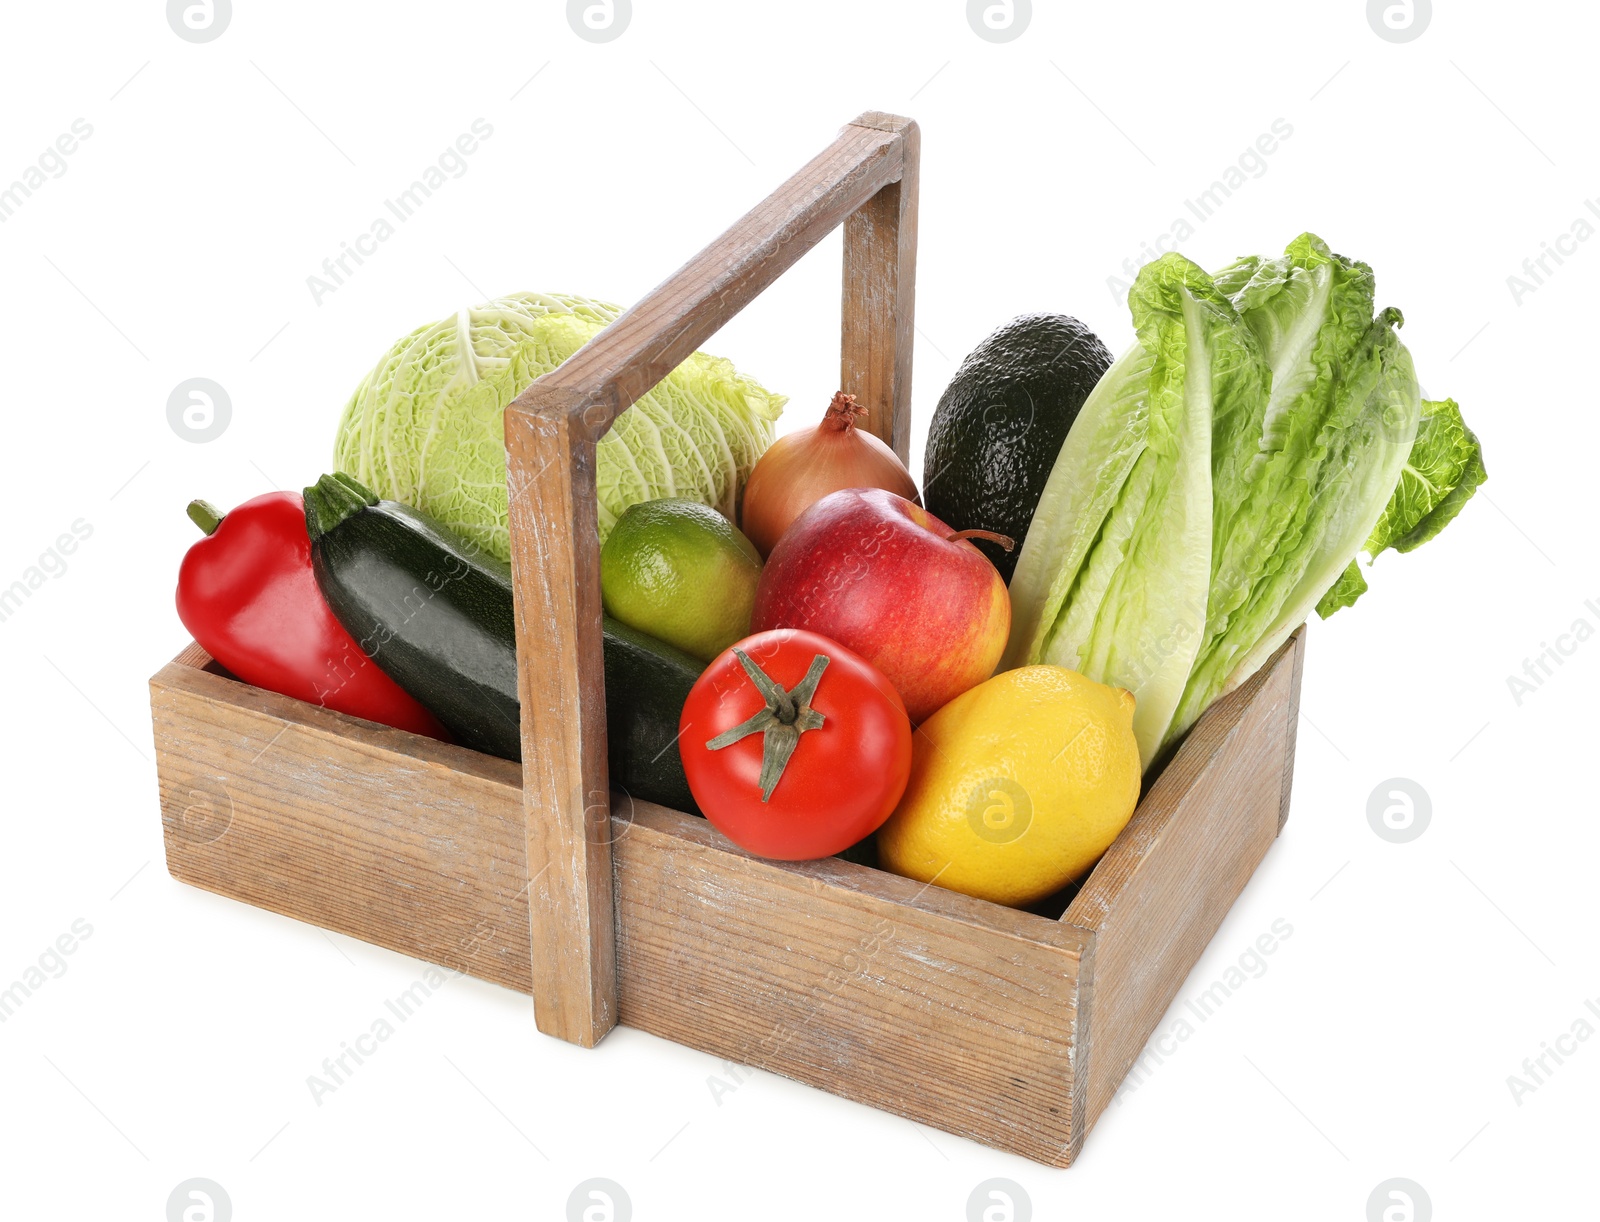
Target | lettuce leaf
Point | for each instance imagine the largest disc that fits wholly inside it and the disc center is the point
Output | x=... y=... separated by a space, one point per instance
x=1221 y=479
x=1311 y=311
x=1440 y=475
x=1372 y=426
x=1130 y=495
x=1344 y=592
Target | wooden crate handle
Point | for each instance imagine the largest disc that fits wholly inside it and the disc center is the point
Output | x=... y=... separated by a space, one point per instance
x=867 y=181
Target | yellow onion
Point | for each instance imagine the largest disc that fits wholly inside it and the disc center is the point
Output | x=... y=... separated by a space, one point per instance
x=799 y=469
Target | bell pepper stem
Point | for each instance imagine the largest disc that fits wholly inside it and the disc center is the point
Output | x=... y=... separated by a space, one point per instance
x=205 y=515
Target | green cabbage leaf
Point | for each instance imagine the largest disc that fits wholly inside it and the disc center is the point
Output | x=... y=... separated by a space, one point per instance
x=425 y=426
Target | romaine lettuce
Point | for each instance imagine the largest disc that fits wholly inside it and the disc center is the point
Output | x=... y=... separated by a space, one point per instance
x=1221 y=478
x=1440 y=475
x=1143 y=446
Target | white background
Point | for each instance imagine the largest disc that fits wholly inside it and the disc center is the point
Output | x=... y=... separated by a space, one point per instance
x=177 y=244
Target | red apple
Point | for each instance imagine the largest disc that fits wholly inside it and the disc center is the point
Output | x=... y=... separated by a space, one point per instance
x=886 y=578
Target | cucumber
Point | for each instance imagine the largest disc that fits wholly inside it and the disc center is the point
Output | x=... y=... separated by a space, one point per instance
x=435 y=613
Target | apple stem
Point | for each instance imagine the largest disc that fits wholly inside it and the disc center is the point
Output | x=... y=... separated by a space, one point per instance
x=990 y=536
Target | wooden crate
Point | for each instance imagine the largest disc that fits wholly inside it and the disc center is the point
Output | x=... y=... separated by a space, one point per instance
x=999 y=1025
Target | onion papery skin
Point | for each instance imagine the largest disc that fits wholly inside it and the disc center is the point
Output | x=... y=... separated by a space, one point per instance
x=801 y=468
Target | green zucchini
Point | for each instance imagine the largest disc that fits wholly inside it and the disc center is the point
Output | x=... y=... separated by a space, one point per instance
x=647 y=682
x=435 y=613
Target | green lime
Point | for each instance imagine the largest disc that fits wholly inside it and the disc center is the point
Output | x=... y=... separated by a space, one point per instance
x=681 y=572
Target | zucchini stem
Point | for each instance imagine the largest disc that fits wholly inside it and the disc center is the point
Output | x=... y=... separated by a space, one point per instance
x=332 y=500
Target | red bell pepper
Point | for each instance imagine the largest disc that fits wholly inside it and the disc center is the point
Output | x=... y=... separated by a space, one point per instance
x=246 y=593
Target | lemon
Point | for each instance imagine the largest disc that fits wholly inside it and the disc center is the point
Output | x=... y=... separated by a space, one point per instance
x=1017 y=786
x=681 y=572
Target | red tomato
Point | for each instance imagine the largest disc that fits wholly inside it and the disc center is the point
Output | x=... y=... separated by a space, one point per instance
x=847 y=770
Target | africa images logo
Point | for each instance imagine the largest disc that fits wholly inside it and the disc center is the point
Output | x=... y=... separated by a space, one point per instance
x=199 y=1200
x=199 y=21
x=1399 y=21
x=999 y=1200
x=999 y=20
x=599 y=20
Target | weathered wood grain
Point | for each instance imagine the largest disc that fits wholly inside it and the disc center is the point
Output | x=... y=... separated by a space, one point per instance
x=551 y=433
x=1291 y=731
x=950 y=1011
x=652 y=338
x=389 y=837
x=1162 y=889
x=555 y=570
x=994 y=1024
x=880 y=282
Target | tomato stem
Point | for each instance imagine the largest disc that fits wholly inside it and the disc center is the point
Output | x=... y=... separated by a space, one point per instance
x=788 y=714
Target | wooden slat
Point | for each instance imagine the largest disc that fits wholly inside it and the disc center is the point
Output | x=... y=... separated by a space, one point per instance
x=555 y=568
x=389 y=837
x=950 y=1011
x=674 y=319
x=995 y=1024
x=880 y=276
x=1162 y=889
x=1292 y=730
x=551 y=433
x=194 y=657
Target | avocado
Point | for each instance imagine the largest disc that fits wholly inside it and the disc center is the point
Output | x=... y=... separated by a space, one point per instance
x=647 y=682
x=1001 y=421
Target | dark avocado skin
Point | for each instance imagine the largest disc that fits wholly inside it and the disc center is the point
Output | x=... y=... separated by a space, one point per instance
x=1001 y=422
x=436 y=615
